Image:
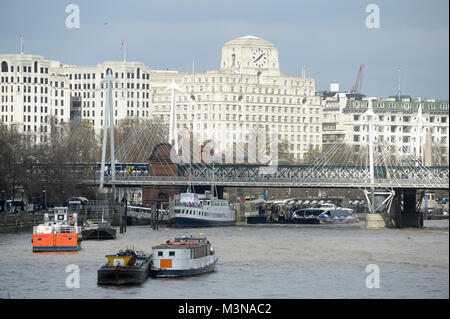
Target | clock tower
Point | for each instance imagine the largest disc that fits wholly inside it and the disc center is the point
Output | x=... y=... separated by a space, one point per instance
x=250 y=55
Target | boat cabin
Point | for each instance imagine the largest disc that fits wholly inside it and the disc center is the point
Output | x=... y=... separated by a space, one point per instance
x=340 y=212
x=307 y=213
x=175 y=254
x=60 y=215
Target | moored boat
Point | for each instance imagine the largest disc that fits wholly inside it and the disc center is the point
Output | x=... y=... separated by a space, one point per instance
x=185 y=256
x=98 y=229
x=124 y=268
x=338 y=216
x=59 y=232
x=201 y=210
x=307 y=216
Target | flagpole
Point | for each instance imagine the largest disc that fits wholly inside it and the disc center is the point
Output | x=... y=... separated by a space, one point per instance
x=193 y=70
x=124 y=50
x=21 y=43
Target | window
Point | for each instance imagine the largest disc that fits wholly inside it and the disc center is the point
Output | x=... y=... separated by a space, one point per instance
x=171 y=253
x=4 y=66
x=160 y=253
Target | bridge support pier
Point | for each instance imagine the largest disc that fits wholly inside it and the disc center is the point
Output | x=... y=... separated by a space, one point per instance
x=411 y=216
x=375 y=221
x=404 y=211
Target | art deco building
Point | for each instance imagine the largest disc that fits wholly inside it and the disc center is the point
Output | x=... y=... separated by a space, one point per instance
x=248 y=92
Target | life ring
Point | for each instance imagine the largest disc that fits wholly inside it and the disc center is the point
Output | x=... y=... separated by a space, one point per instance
x=70 y=216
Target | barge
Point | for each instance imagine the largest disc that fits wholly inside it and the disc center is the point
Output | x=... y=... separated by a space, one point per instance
x=98 y=229
x=185 y=256
x=124 y=268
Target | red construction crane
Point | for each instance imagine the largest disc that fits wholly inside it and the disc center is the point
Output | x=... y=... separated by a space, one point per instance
x=358 y=83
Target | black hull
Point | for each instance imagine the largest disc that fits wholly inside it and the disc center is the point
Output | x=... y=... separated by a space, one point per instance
x=257 y=220
x=182 y=273
x=437 y=217
x=99 y=234
x=57 y=248
x=197 y=222
x=264 y=220
x=108 y=275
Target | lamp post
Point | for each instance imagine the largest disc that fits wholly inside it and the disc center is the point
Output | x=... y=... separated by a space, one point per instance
x=45 y=198
x=2 y=207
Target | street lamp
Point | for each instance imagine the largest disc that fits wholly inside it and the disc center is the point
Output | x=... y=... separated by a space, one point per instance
x=45 y=198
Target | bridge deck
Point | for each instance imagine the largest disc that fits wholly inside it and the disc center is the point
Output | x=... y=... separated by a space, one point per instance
x=276 y=182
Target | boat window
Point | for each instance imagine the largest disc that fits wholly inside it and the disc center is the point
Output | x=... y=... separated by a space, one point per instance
x=160 y=253
x=171 y=253
x=338 y=213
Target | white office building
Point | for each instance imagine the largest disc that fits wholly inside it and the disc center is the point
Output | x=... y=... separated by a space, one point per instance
x=248 y=92
x=34 y=94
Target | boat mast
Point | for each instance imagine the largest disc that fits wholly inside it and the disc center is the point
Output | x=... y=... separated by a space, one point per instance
x=212 y=182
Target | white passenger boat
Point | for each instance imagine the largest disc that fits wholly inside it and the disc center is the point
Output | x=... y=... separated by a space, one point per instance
x=185 y=256
x=200 y=210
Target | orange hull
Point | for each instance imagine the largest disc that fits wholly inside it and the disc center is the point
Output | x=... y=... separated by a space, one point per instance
x=55 y=242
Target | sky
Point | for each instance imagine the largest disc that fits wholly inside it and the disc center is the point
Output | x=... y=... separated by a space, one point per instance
x=330 y=37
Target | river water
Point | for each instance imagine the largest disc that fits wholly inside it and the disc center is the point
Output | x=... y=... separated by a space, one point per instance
x=258 y=261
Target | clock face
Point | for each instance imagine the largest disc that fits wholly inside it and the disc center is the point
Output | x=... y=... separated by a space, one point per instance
x=259 y=58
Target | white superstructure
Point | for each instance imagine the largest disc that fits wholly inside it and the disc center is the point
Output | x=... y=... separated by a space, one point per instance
x=184 y=256
x=190 y=209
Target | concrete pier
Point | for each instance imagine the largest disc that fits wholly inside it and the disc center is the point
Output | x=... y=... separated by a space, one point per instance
x=375 y=221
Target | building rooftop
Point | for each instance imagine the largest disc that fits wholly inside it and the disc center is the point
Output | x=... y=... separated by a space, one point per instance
x=250 y=40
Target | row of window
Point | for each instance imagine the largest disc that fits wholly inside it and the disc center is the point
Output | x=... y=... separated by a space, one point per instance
x=404 y=105
x=89 y=76
x=236 y=79
x=25 y=68
x=202 y=213
x=247 y=89
x=239 y=108
x=393 y=118
x=88 y=86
